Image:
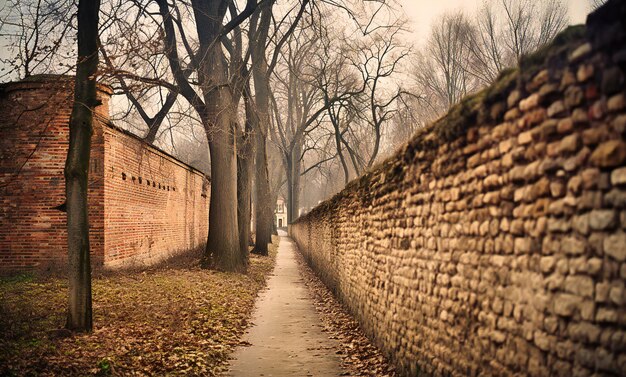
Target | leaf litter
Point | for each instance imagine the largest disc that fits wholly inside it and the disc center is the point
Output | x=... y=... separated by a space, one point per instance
x=359 y=356
x=172 y=319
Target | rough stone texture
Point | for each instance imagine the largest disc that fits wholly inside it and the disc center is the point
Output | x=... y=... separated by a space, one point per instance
x=490 y=245
x=130 y=221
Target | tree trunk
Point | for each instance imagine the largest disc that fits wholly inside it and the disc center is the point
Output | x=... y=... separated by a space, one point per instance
x=222 y=250
x=220 y=124
x=293 y=183
x=245 y=159
x=295 y=196
x=334 y=117
x=289 y=192
x=79 y=315
x=264 y=208
x=260 y=74
x=244 y=190
x=274 y=199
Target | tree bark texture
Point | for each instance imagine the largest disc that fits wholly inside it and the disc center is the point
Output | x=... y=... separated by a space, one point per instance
x=293 y=183
x=245 y=163
x=260 y=74
x=79 y=315
x=220 y=123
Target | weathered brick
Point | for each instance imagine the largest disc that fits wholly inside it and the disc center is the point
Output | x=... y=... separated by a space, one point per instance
x=609 y=154
x=618 y=176
x=602 y=219
x=130 y=222
x=615 y=246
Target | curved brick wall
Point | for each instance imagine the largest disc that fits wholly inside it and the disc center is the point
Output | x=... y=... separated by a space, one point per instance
x=34 y=117
x=144 y=205
x=494 y=243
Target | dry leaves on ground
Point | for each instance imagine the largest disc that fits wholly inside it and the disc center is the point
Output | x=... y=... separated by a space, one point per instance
x=174 y=320
x=359 y=356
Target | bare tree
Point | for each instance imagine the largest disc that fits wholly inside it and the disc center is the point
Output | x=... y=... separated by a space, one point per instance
x=263 y=66
x=294 y=101
x=595 y=4
x=216 y=105
x=39 y=35
x=510 y=29
x=463 y=55
x=488 y=45
x=136 y=66
x=298 y=102
x=328 y=75
x=79 y=316
x=442 y=73
x=379 y=63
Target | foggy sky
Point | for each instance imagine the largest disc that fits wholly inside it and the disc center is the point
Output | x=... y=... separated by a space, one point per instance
x=421 y=13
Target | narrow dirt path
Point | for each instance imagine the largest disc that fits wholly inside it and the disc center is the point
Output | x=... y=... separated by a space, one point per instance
x=286 y=338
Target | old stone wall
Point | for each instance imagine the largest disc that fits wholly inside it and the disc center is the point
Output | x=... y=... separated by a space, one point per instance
x=130 y=222
x=494 y=242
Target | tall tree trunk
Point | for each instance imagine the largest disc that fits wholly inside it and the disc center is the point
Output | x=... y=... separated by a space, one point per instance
x=264 y=208
x=289 y=192
x=274 y=199
x=296 y=187
x=79 y=315
x=245 y=159
x=334 y=117
x=244 y=190
x=293 y=183
x=222 y=250
x=260 y=74
x=220 y=124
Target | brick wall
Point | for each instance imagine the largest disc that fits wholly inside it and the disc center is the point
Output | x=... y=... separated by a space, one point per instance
x=34 y=116
x=494 y=242
x=155 y=206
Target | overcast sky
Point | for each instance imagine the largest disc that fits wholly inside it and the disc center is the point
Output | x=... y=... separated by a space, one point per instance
x=422 y=12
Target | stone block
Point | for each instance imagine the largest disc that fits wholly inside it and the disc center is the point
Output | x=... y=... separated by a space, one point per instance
x=615 y=198
x=609 y=154
x=579 y=285
x=565 y=125
x=546 y=264
x=568 y=144
x=580 y=223
x=513 y=98
x=602 y=219
x=566 y=304
x=616 y=103
x=580 y=52
x=618 y=177
x=573 y=246
x=574 y=96
x=584 y=73
x=612 y=80
x=584 y=332
x=529 y=102
x=615 y=246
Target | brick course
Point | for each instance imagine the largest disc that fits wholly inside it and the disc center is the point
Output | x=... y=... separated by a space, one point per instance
x=129 y=222
x=494 y=242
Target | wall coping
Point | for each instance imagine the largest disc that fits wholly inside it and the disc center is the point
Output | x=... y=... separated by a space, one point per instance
x=112 y=127
x=50 y=81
